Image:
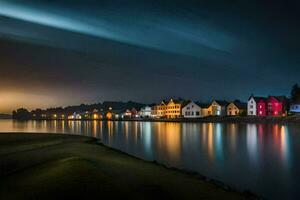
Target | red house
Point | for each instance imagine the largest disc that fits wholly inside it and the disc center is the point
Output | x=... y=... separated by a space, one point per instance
x=276 y=106
x=261 y=107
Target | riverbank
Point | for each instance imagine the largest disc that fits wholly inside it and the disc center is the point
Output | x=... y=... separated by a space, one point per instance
x=210 y=119
x=49 y=166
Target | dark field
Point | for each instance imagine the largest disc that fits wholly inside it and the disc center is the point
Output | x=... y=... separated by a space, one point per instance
x=48 y=166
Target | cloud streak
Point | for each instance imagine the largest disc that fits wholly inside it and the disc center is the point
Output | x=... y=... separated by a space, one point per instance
x=149 y=31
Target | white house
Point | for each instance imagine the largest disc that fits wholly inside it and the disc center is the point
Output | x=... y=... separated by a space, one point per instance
x=191 y=110
x=295 y=108
x=251 y=106
x=146 y=112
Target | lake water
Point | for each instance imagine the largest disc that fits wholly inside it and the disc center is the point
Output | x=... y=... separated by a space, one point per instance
x=262 y=158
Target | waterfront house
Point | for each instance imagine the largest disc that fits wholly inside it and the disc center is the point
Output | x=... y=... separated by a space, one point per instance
x=145 y=112
x=75 y=116
x=204 y=109
x=276 y=106
x=295 y=107
x=217 y=108
x=236 y=108
x=127 y=114
x=130 y=113
x=256 y=106
x=191 y=110
x=134 y=113
x=95 y=115
x=173 y=108
x=159 y=110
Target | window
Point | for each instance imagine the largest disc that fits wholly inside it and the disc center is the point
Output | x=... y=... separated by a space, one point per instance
x=236 y=112
x=229 y=112
x=251 y=112
x=251 y=106
x=197 y=113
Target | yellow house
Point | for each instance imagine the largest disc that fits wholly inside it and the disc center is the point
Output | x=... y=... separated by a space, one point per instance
x=205 y=110
x=159 y=110
x=217 y=108
x=173 y=108
x=236 y=108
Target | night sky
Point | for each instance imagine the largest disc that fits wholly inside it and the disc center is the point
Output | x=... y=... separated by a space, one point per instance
x=57 y=53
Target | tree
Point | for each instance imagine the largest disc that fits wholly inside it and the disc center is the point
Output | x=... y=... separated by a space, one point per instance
x=21 y=114
x=295 y=93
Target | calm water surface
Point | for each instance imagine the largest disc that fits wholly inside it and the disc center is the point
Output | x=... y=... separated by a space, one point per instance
x=262 y=158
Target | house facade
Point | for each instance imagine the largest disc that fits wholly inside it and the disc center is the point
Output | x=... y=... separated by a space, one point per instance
x=173 y=108
x=205 y=109
x=236 y=108
x=276 y=106
x=217 y=108
x=191 y=110
x=161 y=109
x=146 y=112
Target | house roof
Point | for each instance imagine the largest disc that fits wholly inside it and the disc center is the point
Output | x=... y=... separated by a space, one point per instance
x=257 y=98
x=221 y=103
x=203 y=105
x=279 y=98
x=185 y=103
x=240 y=105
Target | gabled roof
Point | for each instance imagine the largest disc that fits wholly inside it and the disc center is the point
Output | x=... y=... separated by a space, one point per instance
x=188 y=102
x=279 y=98
x=178 y=101
x=203 y=105
x=257 y=98
x=221 y=103
x=240 y=105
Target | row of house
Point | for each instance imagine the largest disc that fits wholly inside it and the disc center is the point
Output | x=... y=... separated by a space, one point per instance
x=179 y=108
x=267 y=106
x=176 y=108
x=256 y=106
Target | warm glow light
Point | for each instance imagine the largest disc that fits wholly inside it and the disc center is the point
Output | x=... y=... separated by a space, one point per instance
x=109 y=115
x=95 y=116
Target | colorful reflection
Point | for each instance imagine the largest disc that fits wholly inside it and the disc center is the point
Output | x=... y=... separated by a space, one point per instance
x=246 y=154
x=252 y=142
x=282 y=144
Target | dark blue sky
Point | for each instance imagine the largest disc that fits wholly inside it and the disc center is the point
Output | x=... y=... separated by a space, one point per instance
x=84 y=51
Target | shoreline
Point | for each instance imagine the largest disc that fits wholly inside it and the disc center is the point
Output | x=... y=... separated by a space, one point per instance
x=178 y=172
x=245 y=192
x=227 y=119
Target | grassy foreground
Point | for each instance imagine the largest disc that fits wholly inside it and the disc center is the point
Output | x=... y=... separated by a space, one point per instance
x=48 y=166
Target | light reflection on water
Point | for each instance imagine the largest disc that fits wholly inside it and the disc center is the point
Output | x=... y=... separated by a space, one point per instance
x=262 y=158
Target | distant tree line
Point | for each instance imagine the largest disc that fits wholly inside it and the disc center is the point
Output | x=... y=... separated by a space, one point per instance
x=24 y=114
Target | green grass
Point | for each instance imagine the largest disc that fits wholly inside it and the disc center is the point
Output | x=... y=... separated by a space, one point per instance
x=45 y=166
